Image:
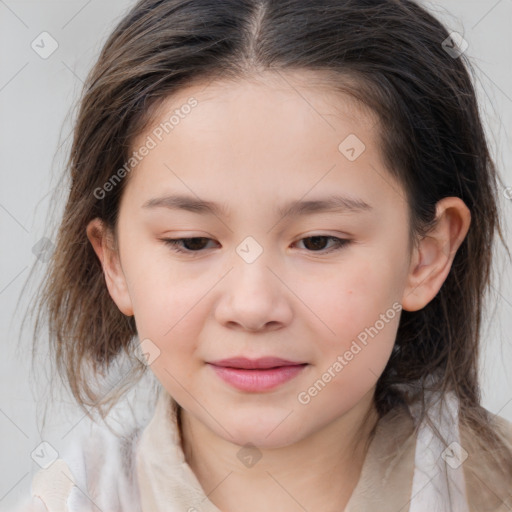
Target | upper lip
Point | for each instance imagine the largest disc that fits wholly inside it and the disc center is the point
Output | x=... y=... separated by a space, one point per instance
x=253 y=364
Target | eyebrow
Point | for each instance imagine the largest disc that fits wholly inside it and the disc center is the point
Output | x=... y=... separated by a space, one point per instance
x=333 y=203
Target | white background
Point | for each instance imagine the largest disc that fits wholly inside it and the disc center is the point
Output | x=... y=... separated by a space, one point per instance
x=36 y=97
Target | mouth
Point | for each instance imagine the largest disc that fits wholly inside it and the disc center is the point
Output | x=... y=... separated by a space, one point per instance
x=256 y=375
x=262 y=363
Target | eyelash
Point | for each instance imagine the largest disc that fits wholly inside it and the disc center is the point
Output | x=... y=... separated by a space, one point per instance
x=340 y=243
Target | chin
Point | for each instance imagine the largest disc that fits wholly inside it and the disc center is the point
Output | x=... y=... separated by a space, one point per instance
x=265 y=435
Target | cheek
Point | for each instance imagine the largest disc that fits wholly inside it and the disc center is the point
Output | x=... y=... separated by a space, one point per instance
x=156 y=286
x=348 y=373
x=352 y=297
x=173 y=323
x=167 y=306
x=360 y=305
x=170 y=315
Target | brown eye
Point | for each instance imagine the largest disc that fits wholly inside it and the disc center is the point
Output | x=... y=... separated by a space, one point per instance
x=312 y=244
x=317 y=243
x=191 y=245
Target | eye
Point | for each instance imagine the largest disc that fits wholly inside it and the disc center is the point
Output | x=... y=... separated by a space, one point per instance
x=319 y=240
x=174 y=243
x=196 y=244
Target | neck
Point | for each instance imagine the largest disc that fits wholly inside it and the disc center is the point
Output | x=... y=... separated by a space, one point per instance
x=319 y=472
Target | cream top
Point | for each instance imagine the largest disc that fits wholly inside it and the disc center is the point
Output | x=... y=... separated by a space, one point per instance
x=405 y=469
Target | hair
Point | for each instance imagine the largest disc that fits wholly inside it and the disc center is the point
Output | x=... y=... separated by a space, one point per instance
x=385 y=54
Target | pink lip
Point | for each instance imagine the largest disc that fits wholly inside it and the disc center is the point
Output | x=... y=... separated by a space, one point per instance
x=254 y=364
x=258 y=374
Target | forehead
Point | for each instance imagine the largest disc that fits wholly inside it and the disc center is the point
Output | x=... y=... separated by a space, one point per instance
x=278 y=132
x=317 y=93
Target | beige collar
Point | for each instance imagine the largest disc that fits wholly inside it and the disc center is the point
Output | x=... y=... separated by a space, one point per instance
x=167 y=483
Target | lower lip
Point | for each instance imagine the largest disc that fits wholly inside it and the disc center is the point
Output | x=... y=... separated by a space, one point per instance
x=257 y=380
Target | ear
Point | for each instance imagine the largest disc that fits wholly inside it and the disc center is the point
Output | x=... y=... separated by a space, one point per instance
x=103 y=243
x=433 y=256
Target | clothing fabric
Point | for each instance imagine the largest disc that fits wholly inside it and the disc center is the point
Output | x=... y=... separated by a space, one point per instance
x=405 y=469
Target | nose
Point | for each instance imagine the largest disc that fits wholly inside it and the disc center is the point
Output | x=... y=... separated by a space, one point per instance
x=253 y=297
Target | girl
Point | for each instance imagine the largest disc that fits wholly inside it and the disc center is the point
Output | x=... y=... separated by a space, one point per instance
x=286 y=211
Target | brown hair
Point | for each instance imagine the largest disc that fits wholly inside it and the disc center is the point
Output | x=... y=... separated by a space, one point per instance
x=387 y=54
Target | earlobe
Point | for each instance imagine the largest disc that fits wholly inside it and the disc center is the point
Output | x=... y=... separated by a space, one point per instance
x=102 y=243
x=433 y=255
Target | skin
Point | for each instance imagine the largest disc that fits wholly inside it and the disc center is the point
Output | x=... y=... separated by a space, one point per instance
x=252 y=145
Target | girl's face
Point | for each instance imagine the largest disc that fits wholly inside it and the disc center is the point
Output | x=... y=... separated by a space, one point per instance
x=322 y=286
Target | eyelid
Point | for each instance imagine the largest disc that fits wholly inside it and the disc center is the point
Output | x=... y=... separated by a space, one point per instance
x=339 y=243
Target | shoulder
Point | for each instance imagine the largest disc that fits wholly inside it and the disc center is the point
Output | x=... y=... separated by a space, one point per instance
x=488 y=473
x=32 y=504
x=95 y=471
x=96 y=468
